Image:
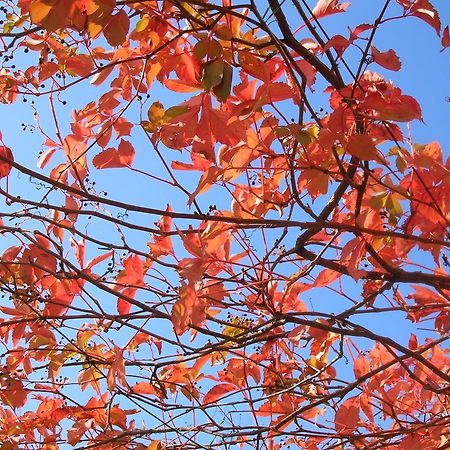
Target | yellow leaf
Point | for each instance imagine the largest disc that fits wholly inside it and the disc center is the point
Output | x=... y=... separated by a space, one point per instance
x=156 y=114
x=142 y=24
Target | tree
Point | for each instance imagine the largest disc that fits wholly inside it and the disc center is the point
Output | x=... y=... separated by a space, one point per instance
x=237 y=314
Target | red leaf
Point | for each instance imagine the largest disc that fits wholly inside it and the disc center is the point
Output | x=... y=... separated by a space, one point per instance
x=102 y=75
x=80 y=65
x=99 y=259
x=217 y=392
x=347 y=415
x=5 y=167
x=361 y=366
x=12 y=393
x=393 y=106
x=123 y=307
x=133 y=272
x=274 y=92
x=327 y=7
x=362 y=146
x=423 y=10
x=326 y=277
x=389 y=59
x=114 y=159
x=445 y=38
x=339 y=43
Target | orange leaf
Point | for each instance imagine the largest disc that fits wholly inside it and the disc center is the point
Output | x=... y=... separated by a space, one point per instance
x=144 y=387
x=39 y=10
x=181 y=86
x=117 y=29
x=389 y=59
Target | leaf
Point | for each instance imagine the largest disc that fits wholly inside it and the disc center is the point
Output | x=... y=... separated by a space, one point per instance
x=144 y=387
x=388 y=60
x=80 y=65
x=339 y=43
x=326 y=277
x=156 y=116
x=114 y=159
x=212 y=74
x=44 y=157
x=50 y=14
x=223 y=89
x=327 y=7
x=162 y=244
x=361 y=366
x=98 y=259
x=445 y=38
x=217 y=392
x=424 y=10
x=347 y=416
x=12 y=392
x=39 y=10
x=362 y=146
x=117 y=28
x=5 y=156
x=142 y=24
x=132 y=273
x=101 y=75
x=156 y=445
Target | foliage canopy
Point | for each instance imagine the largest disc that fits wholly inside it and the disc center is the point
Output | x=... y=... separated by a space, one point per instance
x=227 y=207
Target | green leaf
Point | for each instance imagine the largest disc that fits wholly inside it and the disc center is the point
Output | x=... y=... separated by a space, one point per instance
x=174 y=111
x=212 y=74
x=223 y=89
